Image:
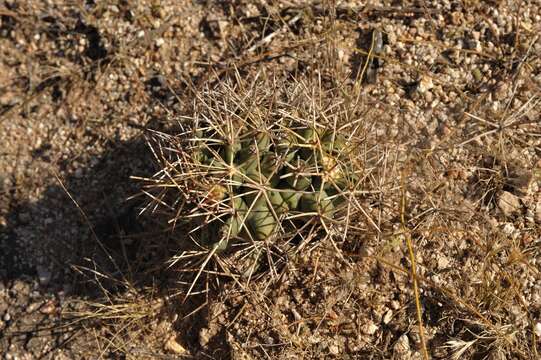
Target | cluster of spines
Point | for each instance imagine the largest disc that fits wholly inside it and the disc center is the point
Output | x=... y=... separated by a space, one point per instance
x=261 y=177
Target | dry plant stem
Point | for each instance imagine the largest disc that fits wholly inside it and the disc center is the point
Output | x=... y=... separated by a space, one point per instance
x=413 y=273
x=448 y=293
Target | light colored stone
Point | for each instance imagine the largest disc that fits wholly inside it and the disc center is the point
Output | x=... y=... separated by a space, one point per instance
x=443 y=262
x=334 y=350
x=538 y=329
x=387 y=317
x=173 y=346
x=508 y=203
x=425 y=84
x=402 y=346
x=369 y=328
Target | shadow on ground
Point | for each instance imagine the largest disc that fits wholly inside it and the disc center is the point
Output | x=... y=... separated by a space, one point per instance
x=83 y=240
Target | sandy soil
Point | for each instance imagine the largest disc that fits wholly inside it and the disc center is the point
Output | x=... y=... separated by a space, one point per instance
x=451 y=104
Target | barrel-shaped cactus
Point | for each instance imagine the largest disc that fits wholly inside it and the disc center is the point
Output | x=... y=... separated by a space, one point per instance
x=250 y=179
x=264 y=177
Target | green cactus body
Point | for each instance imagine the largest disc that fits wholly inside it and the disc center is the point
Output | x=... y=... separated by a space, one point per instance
x=291 y=198
x=253 y=144
x=245 y=156
x=240 y=210
x=262 y=141
x=287 y=154
x=288 y=143
x=309 y=135
x=317 y=202
x=333 y=143
x=338 y=198
x=233 y=226
x=269 y=163
x=236 y=178
x=251 y=170
x=230 y=150
x=298 y=179
x=270 y=168
x=290 y=156
x=284 y=168
x=261 y=220
x=203 y=155
x=299 y=182
x=278 y=203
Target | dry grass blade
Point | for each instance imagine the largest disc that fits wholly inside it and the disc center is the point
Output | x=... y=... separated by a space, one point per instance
x=413 y=273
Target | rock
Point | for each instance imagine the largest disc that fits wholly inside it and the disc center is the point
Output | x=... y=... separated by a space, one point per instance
x=334 y=349
x=33 y=307
x=401 y=348
x=509 y=230
x=173 y=346
x=425 y=84
x=204 y=337
x=538 y=212
x=508 y=203
x=443 y=262
x=387 y=317
x=159 y=42
x=538 y=329
x=48 y=308
x=369 y=328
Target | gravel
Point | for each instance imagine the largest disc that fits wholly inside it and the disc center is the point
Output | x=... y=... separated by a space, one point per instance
x=454 y=108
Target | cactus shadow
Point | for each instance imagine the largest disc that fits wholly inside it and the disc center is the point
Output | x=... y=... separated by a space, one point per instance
x=99 y=247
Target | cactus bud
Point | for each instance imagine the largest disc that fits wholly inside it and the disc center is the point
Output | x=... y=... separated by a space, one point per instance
x=217 y=193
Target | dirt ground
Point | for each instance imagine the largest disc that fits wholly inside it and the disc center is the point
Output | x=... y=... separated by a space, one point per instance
x=451 y=112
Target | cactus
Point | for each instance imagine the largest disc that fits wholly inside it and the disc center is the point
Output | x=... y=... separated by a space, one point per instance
x=261 y=220
x=274 y=174
x=318 y=202
x=250 y=181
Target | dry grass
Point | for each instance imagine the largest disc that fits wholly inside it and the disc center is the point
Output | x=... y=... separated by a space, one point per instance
x=421 y=249
x=484 y=310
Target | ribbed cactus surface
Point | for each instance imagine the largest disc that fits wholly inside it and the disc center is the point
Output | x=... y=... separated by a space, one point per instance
x=258 y=172
x=258 y=177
